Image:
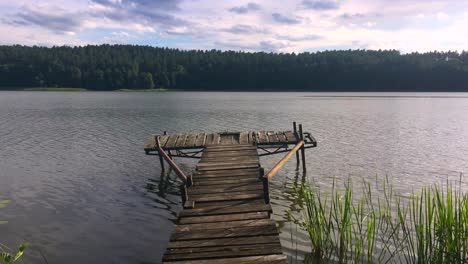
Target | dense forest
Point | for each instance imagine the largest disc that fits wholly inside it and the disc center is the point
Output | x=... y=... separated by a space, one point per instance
x=111 y=67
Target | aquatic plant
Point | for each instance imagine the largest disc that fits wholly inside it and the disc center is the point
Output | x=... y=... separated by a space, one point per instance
x=6 y=257
x=429 y=226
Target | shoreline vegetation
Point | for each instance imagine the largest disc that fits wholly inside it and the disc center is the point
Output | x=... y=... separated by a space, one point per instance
x=379 y=225
x=115 y=67
x=72 y=89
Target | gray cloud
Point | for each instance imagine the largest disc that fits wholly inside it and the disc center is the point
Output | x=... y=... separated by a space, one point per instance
x=245 y=29
x=245 y=9
x=271 y=46
x=267 y=46
x=57 y=22
x=302 y=38
x=284 y=19
x=320 y=4
x=143 y=11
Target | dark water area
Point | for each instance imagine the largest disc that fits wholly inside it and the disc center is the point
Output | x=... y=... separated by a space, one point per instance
x=82 y=189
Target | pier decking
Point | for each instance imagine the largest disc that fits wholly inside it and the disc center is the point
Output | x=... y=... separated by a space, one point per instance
x=226 y=215
x=230 y=220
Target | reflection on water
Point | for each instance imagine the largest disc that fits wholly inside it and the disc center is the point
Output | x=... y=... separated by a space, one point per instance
x=83 y=191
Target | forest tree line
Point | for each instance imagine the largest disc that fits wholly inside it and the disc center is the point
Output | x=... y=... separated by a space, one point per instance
x=112 y=67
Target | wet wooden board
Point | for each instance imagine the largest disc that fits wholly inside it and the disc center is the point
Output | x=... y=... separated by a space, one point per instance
x=201 y=138
x=223 y=218
x=190 y=141
x=224 y=241
x=229 y=218
x=272 y=138
x=181 y=141
x=269 y=259
x=281 y=137
x=262 y=137
x=171 y=141
x=290 y=136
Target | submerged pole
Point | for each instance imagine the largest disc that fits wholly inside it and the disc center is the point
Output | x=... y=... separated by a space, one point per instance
x=295 y=134
x=301 y=136
x=161 y=160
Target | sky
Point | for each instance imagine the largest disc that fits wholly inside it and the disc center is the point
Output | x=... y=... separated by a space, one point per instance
x=252 y=25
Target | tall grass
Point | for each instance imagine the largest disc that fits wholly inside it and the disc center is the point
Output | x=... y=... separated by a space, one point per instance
x=430 y=226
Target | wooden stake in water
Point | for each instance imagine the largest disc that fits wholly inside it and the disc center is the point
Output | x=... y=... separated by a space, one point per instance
x=301 y=136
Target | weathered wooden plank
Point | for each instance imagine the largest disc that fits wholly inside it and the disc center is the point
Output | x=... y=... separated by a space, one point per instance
x=230 y=153
x=227 y=167
x=229 y=158
x=281 y=137
x=230 y=148
x=251 y=138
x=222 y=251
x=272 y=138
x=227 y=197
x=269 y=259
x=201 y=137
x=190 y=141
x=150 y=144
x=290 y=136
x=209 y=139
x=244 y=138
x=225 y=189
x=227 y=172
x=223 y=218
x=181 y=140
x=227 y=208
x=171 y=141
x=203 y=164
x=223 y=241
x=216 y=139
x=262 y=137
x=225 y=176
x=227 y=180
x=227 y=140
x=224 y=225
x=264 y=230
x=200 y=182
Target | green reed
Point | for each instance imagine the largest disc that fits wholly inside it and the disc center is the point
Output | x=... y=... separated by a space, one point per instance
x=430 y=226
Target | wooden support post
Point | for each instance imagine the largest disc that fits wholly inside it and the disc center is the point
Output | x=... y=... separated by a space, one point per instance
x=190 y=180
x=301 y=135
x=266 y=187
x=183 y=193
x=161 y=160
x=295 y=134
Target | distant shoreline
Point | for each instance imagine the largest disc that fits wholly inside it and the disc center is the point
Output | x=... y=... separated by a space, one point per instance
x=74 y=89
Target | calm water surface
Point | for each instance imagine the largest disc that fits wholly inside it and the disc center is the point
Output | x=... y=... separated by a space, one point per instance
x=83 y=191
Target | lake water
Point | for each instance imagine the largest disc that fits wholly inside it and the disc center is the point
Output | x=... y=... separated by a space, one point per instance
x=82 y=189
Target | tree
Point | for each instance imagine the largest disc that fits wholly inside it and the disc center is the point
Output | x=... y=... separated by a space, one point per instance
x=146 y=80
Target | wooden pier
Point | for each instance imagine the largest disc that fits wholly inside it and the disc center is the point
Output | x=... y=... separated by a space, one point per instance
x=226 y=215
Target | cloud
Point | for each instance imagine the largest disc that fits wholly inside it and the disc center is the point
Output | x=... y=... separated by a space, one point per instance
x=301 y=38
x=245 y=9
x=144 y=11
x=442 y=16
x=55 y=20
x=284 y=20
x=320 y=4
x=245 y=29
x=271 y=46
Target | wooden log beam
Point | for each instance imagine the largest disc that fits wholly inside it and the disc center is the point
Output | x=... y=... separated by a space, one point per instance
x=171 y=163
x=283 y=161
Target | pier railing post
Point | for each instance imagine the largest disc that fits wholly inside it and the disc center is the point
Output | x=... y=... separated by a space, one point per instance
x=161 y=160
x=295 y=134
x=301 y=135
x=266 y=187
